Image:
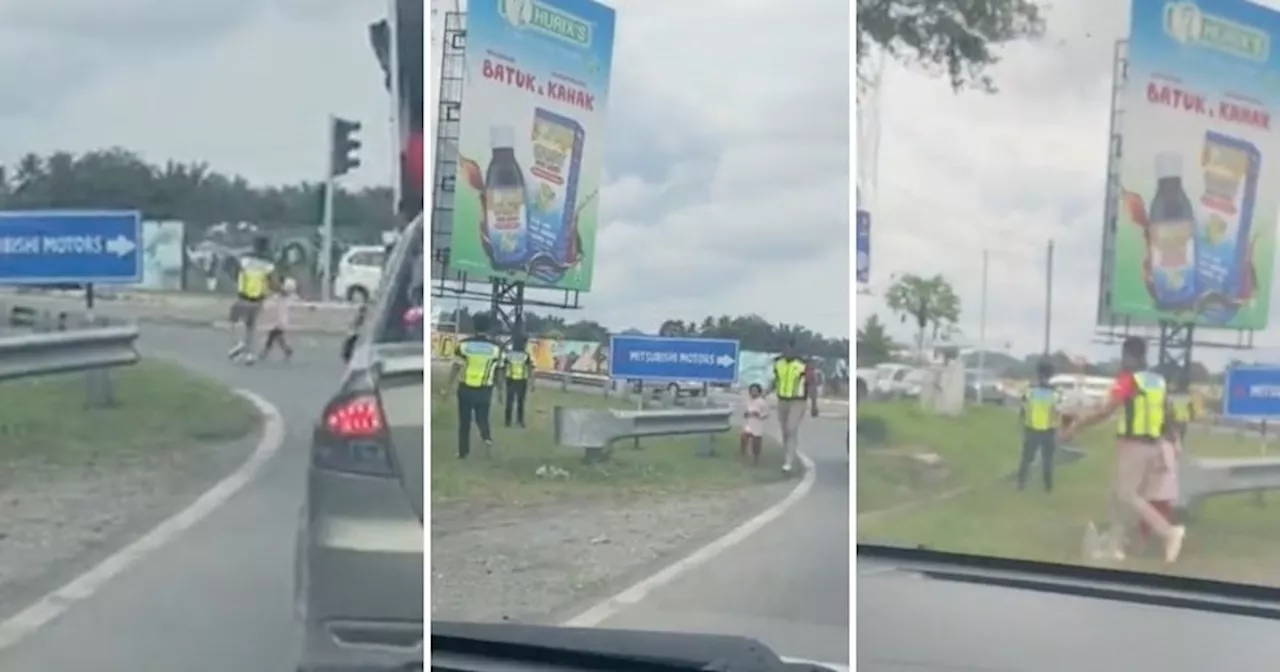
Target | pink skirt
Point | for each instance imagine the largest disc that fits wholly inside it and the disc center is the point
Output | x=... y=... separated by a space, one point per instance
x=1162 y=486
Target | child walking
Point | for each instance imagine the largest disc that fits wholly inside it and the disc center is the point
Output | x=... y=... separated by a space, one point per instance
x=753 y=423
x=1162 y=490
x=276 y=314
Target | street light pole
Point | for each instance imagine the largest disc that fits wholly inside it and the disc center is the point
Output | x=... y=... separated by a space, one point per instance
x=982 y=326
x=1048 y=297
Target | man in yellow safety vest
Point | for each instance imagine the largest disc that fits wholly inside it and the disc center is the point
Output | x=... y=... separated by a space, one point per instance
x=1183 y=407
x=253 y=283
x=793 y=383
x=1039 y=426
x=476 y=362
x=1140 y=396
x=517 y=372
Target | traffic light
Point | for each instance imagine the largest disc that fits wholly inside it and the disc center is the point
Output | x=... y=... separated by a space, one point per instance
x=344 y=146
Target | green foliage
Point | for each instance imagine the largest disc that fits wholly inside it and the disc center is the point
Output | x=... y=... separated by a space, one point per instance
x=189 y=192
x=874 y=344
x=930 y=303
x=955 y=37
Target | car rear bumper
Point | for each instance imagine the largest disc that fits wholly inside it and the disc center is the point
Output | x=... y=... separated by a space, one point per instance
x=360 y=574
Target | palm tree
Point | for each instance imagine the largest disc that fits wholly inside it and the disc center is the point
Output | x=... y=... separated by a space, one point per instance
x=931 y=303
x=874 y=344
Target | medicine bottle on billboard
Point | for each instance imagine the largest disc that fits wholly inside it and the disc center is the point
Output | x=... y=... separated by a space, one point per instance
x=1224 y=259
x=1171 y=248
x=506 y=216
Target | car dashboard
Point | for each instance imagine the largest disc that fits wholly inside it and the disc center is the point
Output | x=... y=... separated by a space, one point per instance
x=920 y=611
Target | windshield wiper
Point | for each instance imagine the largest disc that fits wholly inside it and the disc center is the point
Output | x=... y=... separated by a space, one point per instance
x=1118 y=584
x=467 y=646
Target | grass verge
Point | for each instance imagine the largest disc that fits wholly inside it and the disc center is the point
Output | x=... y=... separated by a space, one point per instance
x=161 y=408
x=979 y=446
x=1233 y=538
x=662 y=465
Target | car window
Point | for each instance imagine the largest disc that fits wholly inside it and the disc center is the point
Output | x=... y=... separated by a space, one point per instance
x=398 y=323
x=369 y=258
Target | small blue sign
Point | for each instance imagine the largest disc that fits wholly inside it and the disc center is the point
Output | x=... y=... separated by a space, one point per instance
x=1251 y=392
x=864 y=246
x=54 y=246
x=704 y=360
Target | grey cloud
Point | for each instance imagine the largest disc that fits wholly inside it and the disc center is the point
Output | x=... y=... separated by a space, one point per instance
x=1073 y=60
x=49 y=48
x=729 y=175
x=126 y=24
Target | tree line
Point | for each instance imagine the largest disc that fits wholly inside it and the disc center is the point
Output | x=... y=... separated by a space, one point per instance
x=752 y=331
x=193 y=193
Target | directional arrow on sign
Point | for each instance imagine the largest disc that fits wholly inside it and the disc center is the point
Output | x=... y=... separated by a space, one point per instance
x=120 y=246
x=724 y=360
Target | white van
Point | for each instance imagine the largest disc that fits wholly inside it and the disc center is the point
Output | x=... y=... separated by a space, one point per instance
x=1077 y=392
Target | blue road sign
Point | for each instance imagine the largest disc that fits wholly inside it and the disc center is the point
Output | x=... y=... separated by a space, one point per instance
x=1251 y=392
x=864 y=246
x=51 y=246
x=706 y=360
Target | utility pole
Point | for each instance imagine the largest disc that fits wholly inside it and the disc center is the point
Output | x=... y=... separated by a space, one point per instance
x=982 y=327
x=1048 y=297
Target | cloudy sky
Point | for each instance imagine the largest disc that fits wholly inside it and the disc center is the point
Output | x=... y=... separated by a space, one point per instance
x=246 y=85
x=958 y=174
x=727 y=185
x=728 y=166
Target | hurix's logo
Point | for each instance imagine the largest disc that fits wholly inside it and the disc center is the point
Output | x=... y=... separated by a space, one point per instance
x=531 y=14
x=1187 y=25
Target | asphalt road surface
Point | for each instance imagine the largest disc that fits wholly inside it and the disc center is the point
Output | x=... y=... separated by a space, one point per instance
x=787 y=585
x=220 y=596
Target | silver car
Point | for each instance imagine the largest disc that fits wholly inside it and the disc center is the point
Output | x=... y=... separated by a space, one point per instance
x=359 y=557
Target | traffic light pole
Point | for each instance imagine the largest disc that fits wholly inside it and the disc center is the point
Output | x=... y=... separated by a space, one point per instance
x=326 y=225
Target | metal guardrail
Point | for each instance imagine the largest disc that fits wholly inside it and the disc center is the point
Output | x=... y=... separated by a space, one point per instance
x=193 y=309
x=1200 y=479
x=573 y=378
x=596 y=430
x=28 y=355
x=65 y=343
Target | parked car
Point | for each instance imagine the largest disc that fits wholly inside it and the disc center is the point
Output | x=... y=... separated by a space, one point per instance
x=988 y=390
x=887 y=378
x=359 y=272
x=676 y=388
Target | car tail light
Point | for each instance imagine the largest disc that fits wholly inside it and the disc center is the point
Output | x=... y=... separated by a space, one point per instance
x=358 y=417
x=354 y=440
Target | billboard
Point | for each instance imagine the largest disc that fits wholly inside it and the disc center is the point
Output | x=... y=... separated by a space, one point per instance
x=531 y=143
x=1197 y=201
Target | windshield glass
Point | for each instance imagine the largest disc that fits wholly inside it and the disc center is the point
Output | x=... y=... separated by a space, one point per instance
x=652 y=223
x=193 y=203
x=1108 y=177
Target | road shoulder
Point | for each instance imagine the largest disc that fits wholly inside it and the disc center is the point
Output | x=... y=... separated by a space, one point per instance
x=537 y=565
x=65 y=512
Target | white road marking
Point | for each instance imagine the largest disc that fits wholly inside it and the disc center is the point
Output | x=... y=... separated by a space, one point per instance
x=612 y=606
x=51 y=606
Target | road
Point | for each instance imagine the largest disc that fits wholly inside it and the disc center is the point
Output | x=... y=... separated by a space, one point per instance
x=787 y=585
x=220 y=597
